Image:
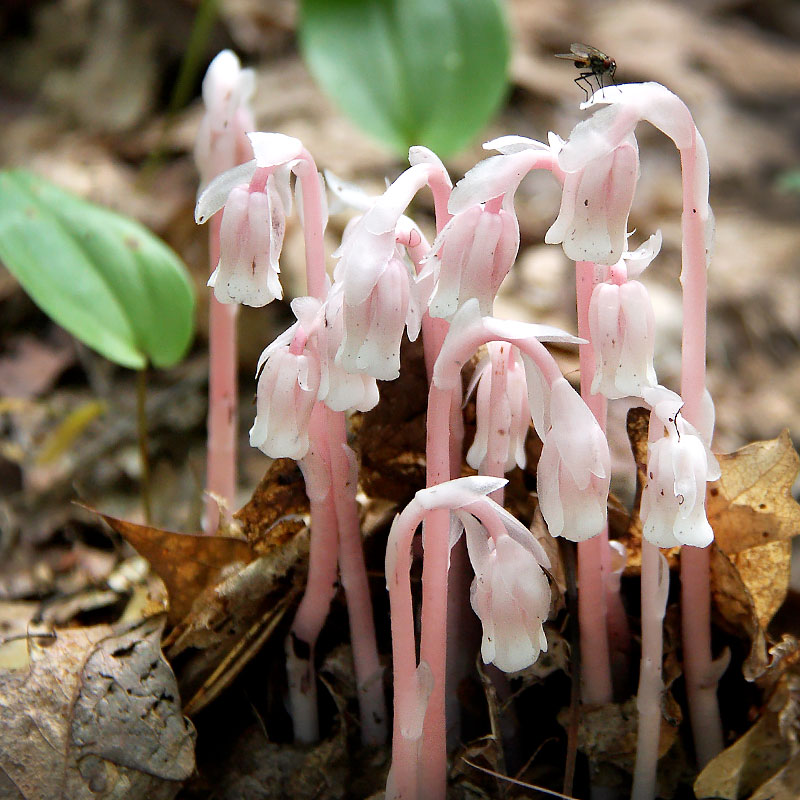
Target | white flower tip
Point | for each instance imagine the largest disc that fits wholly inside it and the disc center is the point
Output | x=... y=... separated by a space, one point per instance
x=274 y=149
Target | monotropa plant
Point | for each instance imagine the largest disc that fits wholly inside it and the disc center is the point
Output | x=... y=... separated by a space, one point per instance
x=388 y=281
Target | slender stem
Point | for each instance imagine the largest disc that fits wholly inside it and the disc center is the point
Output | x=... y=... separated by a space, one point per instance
x=406 y=737
x=309 y=619
x=433 y=637
x=141 y=427
x=701 y=677
x=368 y=670
x=593 y=554
x=655 y=587
x=567 y=550
x=222 y=397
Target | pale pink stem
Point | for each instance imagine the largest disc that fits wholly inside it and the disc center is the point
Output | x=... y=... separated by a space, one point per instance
x=433 y=635
x=655 y=587
x=404 y=780
x=222 y=398
x=700 y=674
x=369 y=683
x=593 y=554
x=308 y=622
x=494 y=462
x=332 y=437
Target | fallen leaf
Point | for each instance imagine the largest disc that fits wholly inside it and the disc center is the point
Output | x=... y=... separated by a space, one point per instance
x=96 y=715
x=187 y=563
x=784 y=785
x=277 y=509
x=751 y=504
x=746 y=764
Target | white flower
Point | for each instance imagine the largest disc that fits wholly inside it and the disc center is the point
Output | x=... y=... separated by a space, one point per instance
x=288 y=384
x=221 y=142
x=251 y=238
x=511 y=595
x=574 y=469
x=502 y=412
x=595 y=202
x=678 y=466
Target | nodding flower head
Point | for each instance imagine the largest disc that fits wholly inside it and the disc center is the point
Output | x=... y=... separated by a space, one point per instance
x=502 y=413
x=472 y=255
x=251 y=238
x=678 y=467
x=595 y=203
x=256 y=197
x=622 y=325
x=511 y=595
x=288 y=383
x=221 y=141
x=574 y=470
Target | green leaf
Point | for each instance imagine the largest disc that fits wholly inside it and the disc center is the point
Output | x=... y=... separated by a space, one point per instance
x=103 y=277
x=410 y=72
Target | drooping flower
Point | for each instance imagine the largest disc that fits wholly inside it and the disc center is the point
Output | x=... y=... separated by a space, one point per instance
x=678 y=467
x=596 y=201
x=288 y=384
x=574 y=469
x=373 y=329
x=340 y=388
x=511 y=596
x=476 y=249
x=251 y=238
x=221 y=141
x=622 y=326
x=256 y=197
x=502 y=415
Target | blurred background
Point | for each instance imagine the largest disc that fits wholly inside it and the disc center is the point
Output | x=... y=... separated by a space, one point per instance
x=90 y=97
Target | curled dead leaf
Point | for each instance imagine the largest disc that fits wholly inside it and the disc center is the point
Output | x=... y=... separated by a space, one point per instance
x=97 y=714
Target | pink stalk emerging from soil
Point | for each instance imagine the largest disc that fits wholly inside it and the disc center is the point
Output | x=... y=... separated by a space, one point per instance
x=595 y=139
x=413 y=684
x=221 y=145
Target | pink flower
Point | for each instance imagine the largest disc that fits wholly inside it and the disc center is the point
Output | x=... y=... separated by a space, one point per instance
x=471 y=256
x=476 y=249
x=373 y=329
x=678 y=467
x=510 y=594
x=256 y=197
x=622 y=325
x=574 y=469
x=339 y=388
x=251 y=238
x=595 y=202
x=503 y=416
x=288 y=383
x=221 y=141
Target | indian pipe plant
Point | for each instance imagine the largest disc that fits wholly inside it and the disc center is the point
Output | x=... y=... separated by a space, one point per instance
x=389 y=281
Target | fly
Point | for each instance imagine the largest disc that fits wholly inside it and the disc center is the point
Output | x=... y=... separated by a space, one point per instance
x=593 y=63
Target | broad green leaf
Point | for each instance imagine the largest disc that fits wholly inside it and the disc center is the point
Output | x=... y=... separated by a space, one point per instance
x=429 y=72
x=103 y=277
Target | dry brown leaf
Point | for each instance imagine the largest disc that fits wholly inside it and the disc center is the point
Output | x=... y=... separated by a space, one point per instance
x=752 y=504
x=97 y=715
x=746 y=764
x=273 y=515
x=784 y=785
x=187 y=563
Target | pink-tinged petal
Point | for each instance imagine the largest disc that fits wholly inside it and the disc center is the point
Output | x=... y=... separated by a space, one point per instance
x=493 y=177
x=538 y=396
x=274 y=149
x=215 y=195
x=547 y=487
x=508 y=145
x=641 y=258
x=459 y=492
